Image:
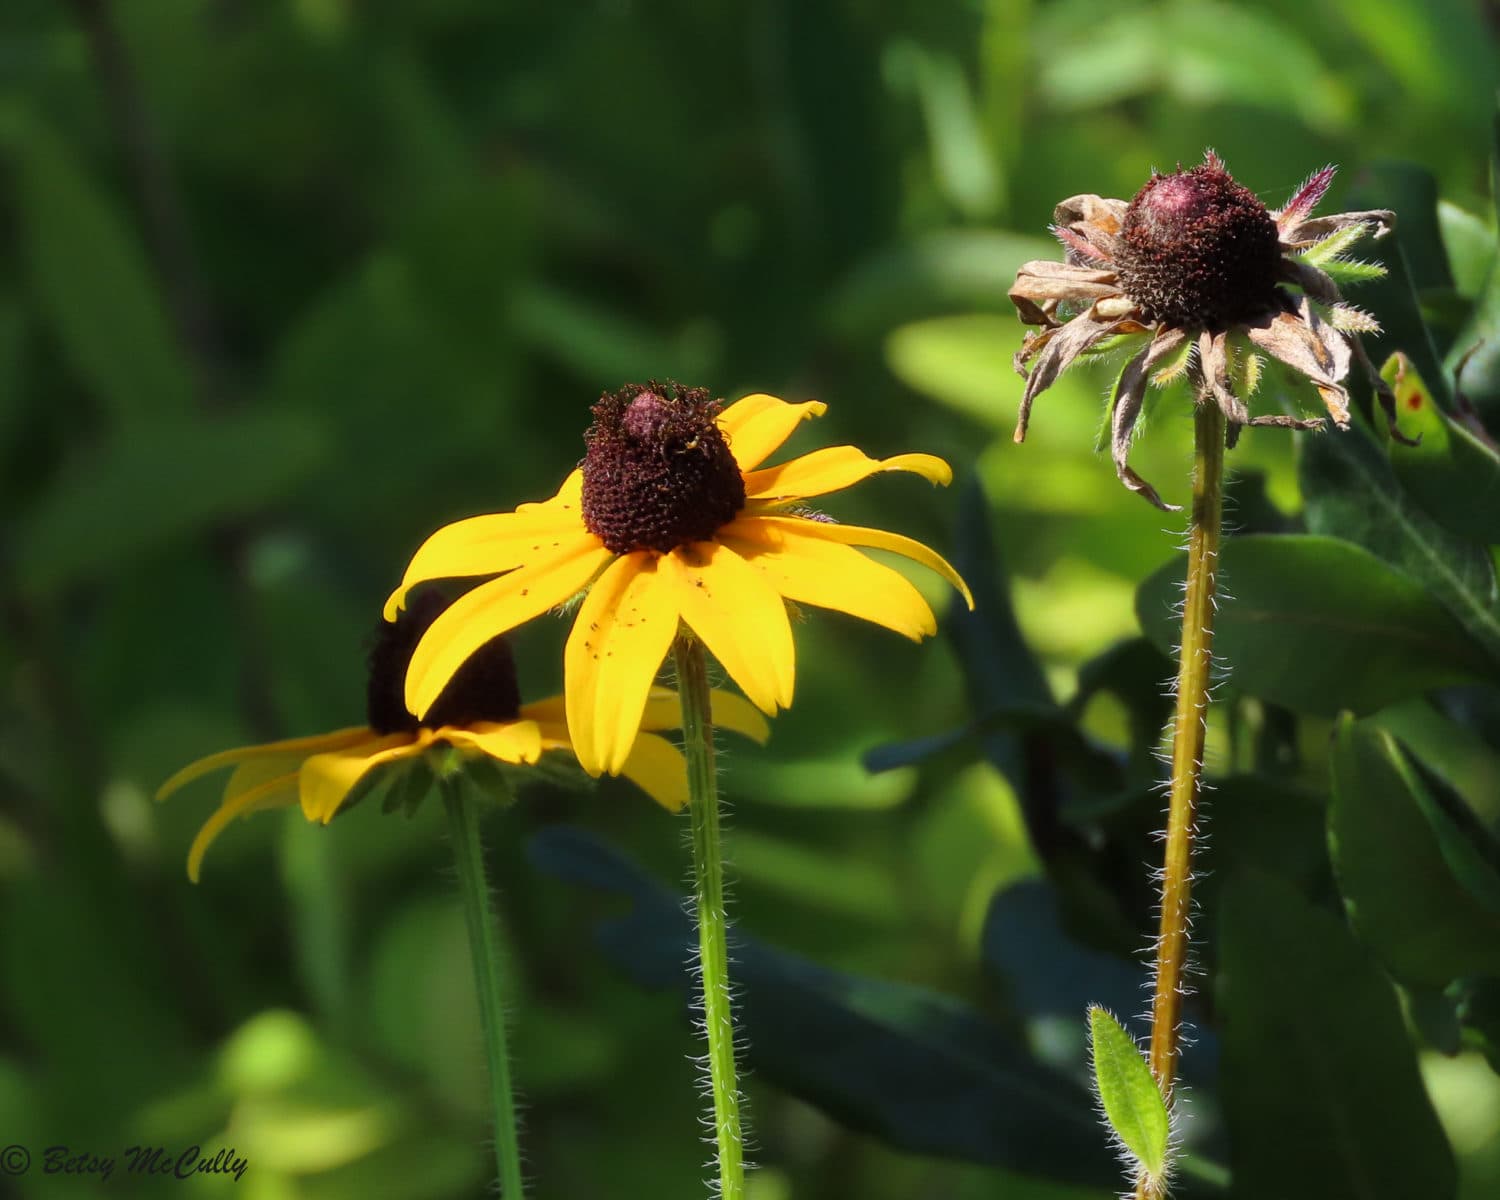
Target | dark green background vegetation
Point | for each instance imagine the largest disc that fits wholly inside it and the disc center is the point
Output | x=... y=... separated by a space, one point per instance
x=285 y=285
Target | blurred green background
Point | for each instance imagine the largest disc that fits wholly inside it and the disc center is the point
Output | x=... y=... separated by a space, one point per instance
x=284 y=285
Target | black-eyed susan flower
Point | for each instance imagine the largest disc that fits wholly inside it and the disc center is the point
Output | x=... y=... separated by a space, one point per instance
x=671 y=519
x=478 y=712
x=1200 y=270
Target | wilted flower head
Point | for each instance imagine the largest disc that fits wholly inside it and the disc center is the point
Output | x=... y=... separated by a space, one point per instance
x=1199 y=267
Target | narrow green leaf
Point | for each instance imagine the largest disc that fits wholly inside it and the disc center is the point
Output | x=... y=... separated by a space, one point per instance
x=1352 y=492
x=915 y=1068
x=1453 y=475
x=94 y=284
x=1132 y=1102
x=160 y=483
x=1319 y=625
x=1320 y=1086
x=1469 y=242
x=1398 y=886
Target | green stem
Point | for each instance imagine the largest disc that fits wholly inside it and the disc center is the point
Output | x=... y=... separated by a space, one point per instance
x=713 y=948
x=1195 y=661
x=479 y=915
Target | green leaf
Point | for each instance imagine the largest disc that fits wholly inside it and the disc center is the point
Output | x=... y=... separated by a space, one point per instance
x=1196 y=53
x=1351 y=492
x=1469 y=243
x=946 y=271
x=1415 y=262
x=157 y=485
x=1132 y=1102
x=1318 y=624
x=1398 y=886
x=962 y=163
x=917 y=1069
x=1321 y=1091
x=94 y=283
x=1453 y=475
x=963 y=362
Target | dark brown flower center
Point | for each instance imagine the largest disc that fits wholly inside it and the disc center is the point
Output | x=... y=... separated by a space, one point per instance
x=483 y=689
x=658 y=472
x=1199 y=250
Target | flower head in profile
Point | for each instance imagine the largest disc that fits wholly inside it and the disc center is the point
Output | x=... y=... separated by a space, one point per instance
x=478 y=713
x=671 y=520
x=1211 y=282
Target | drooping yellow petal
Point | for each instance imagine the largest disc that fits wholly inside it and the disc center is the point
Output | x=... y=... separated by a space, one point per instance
x=757 y=426
x=619 y=639
x=256 y=772
x=812 y=570
x=740 y=617
x=658 y=769
x=857 y=535
x=512 y=741
x=316 y=744
x=495 y=607
x=277 y=792
x=834 y=468
x=545 y=712
x=728 y=710
x=325 y=780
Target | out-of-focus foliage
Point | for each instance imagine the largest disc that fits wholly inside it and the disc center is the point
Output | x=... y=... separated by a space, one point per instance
x=285 y=285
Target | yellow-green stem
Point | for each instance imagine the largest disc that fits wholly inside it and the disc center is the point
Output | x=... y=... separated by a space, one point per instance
x=479 y=915
x=708 y=898
x=1195 y=663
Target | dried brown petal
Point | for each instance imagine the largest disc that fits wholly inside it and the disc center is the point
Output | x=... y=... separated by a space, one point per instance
x=1057 y=353
x=1095 y=219
x=1130 y=394
x=1305 y=342
x=1041 y=285
x=1379 y=222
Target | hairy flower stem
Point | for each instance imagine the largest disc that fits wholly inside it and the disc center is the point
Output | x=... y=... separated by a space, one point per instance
x=1195 y=661
x=479 y=915
x=708 y=897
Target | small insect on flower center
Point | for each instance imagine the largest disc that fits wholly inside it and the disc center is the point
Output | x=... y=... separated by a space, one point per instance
x=1199 y=250
x=658 y=473
x=483 y=689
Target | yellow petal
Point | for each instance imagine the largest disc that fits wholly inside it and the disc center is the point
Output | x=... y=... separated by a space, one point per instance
x=757 y=426
x=512 y=741
x=488 y=545
x=857 y=535
x=812 y=570
x=257 y=772
x=277 y=792
x=495 y=607
x=545 y=712
x=336 y=740
x=326 y=779
x=621 y=634
x=728 y=710
x=741 y=619
x=658 y=769
x=834 y=468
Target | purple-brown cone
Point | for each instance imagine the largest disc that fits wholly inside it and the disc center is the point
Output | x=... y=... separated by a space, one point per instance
x=1198 y=250
x=658 y=472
